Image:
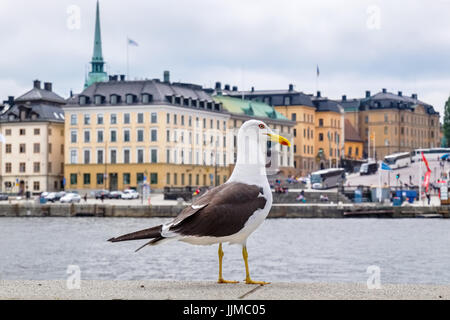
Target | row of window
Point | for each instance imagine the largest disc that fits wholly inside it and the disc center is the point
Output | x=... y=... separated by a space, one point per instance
x=113 y=119
x=36 y=132
x=421 y=120
x=309 y=118
x=332 y=136
x=36 y=167
x=36 y=148
x=333 y=123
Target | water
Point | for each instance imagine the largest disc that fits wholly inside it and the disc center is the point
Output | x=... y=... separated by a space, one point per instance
x=407 y=251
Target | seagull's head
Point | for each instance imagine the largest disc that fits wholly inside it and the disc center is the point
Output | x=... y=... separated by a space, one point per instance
x=262 y=130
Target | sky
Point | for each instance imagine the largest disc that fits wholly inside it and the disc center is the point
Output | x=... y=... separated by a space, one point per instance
x=358 y=45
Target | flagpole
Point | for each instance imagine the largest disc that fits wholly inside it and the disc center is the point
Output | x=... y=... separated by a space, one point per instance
x=128 y=61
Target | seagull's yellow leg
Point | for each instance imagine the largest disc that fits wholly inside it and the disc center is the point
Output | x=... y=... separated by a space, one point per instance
x=221 y=280
x=247 y=272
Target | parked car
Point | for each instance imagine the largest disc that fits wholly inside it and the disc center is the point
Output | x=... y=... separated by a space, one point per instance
x=130 y=194
x=104 y=193
x=3 y=197
x=51 y=197
x=59 y=195
x=116 y=195
x=71 y=198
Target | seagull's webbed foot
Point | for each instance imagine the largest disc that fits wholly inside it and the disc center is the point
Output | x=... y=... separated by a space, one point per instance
x=222 y=281
x=250 y=281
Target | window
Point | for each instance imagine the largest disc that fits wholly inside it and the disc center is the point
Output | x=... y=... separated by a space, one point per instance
x=50 y=148
x=7 y=132
x=22 y=132
x=87 y=157
x=22 y=148
x=73 y=157
x=113 y=118
x=154 y=155
x=73 y=119
x=350 y=151
x=87 y=136
x=320 y=122
x=126 y=179
x=287 y=101
x=294 y=117
x=139 y=178
x=99 y=156
x=126 y=118
x=22 y=167
x=113 y=156
x=168 y=118
x=73 y=179
x=87 y=119
x=100 y=136
x=100 y=119
x=8 y=148
x=140 y=118
x=167 y=178
x=167 y=156
x=154 y=117
x=36 y=186
x=73 y=136
x=126 y=156
x=154 y=134
x=168 y=135
x=113 y=135
x=100 y=178
x=140 y=156
x=386 y=130
x=87 y=179
x=38 y=132
x=8 y=167
x=366 y=119
x=153 y=178
x=126 y=135
x=320 y=136
x=140 y=135
x=357 y=151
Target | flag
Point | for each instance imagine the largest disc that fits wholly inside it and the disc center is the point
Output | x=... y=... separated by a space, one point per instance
x=132 y=42
x=426 y=180
x=2 y=138
x=384 y=166
x=318 y=71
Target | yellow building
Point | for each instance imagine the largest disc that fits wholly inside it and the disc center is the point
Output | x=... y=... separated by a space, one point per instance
x=354 y=145
x=32 y=153
x=120 y=134
x=396 y=123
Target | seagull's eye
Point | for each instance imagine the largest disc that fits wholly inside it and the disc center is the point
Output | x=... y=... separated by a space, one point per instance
x=261 y=126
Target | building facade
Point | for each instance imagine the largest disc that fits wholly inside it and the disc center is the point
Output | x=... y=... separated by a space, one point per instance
x=121 y=134
x=389 y=123
x=32 y=153
x=242 y=110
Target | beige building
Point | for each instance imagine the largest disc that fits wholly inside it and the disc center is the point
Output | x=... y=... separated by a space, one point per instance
x=393 y=123
x=32 y=153
x=121 y=134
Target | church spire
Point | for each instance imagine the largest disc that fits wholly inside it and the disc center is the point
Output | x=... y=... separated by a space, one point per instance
x=97 y=73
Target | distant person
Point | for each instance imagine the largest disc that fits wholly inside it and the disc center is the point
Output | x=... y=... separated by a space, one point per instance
x=428 y=198
x=85 y=197
x=102 y=197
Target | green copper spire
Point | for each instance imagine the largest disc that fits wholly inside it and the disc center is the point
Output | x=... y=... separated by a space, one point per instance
x=97 y=73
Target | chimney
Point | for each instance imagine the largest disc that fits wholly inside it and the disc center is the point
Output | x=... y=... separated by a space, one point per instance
x=36 y=84
x=400 y=93
x=318 y=94
x=227 y=87
x=291 y=87
x=384 y=90
x=253 y=89
x=167 y=76
x=122 y=77
x=368 y=94
x=344 y=98
x=48 y=86
x=414 y=96
x=218 y=86
x=235 y=88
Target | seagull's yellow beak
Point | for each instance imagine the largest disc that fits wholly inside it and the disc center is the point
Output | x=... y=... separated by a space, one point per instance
x=281 y=140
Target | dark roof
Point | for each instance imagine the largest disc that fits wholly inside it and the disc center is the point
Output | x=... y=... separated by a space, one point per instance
x=160 y=92
x=350 y=132
x=33 y=112
x=386 y=100
x=40 y=95
x=274 y=97
x=326 y=105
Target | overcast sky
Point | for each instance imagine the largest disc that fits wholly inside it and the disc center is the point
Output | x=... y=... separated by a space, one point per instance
x=359 y=45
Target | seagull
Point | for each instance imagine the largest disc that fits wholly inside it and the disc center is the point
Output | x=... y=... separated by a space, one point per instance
x=228 y=213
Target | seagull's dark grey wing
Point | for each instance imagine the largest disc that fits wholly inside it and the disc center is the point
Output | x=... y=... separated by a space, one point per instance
x=221 y=212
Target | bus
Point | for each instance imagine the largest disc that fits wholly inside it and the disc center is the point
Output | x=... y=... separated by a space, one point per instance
x=430 y=154
x=398 y=160
x=368 y=168
x=329 y=178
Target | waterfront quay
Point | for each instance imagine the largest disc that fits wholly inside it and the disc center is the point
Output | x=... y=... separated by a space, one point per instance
x=203 y=290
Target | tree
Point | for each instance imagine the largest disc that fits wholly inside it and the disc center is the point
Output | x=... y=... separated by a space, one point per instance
x=446 y=126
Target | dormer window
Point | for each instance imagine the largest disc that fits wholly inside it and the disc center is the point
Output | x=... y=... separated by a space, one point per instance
x=217 y=106
x=177 y=100
x=186 y=102
x=194 y=103
x=202 y=104
x=146 y=98
x=287 y=101
x=114 y=99
x=83 y=100
x=209 y=106
x=130 y=98
x=98 y=99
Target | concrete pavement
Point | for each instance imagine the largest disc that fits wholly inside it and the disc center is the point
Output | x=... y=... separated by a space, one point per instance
x=202 y=290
